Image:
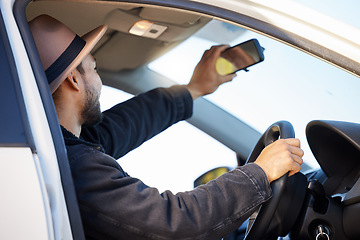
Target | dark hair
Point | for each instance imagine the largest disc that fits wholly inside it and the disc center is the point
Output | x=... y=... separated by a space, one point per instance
x=80 y=68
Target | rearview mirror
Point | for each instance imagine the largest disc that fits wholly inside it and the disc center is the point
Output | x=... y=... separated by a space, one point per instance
x=240 y=57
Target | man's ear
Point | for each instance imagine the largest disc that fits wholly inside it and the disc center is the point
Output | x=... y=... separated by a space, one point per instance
x=73 y=81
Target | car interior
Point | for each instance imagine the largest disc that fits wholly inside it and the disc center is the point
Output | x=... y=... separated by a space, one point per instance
x=119 y=49
x=318 y=202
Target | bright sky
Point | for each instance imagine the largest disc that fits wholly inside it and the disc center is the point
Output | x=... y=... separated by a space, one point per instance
x=345 y=10
x=169 y=162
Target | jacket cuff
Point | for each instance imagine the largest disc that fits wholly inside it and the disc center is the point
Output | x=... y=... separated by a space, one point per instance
x=183 y=100
x=259 y=178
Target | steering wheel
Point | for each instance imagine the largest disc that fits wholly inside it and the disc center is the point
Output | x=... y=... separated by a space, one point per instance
x=257 y=230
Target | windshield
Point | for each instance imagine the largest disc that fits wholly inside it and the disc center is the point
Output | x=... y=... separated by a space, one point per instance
x=289 y=85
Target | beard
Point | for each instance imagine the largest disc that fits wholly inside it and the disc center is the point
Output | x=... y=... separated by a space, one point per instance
x=91 y=113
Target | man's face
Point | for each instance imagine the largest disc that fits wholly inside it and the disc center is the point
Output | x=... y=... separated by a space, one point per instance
x=91 y=113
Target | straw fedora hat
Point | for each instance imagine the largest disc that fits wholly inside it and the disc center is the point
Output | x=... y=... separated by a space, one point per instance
x=60 y=49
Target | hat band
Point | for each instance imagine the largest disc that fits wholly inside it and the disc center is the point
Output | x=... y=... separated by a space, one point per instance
x=65 y=59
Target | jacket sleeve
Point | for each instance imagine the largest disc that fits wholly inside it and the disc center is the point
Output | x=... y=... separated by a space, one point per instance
x=129 y=124
x=117 y=207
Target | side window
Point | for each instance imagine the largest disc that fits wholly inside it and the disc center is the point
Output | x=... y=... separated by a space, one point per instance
x=12 y=122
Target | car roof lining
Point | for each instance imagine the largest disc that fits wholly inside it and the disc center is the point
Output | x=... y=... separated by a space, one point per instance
x=181 y=25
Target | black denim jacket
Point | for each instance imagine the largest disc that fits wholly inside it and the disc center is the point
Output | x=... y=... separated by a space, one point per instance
x=114 y=205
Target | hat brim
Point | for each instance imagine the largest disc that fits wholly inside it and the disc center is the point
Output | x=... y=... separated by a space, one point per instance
x=91 y=39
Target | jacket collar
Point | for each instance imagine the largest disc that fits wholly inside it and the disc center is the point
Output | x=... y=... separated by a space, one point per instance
x=71 y=139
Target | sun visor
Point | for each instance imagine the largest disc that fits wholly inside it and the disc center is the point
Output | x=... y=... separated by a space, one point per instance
x=336 y=147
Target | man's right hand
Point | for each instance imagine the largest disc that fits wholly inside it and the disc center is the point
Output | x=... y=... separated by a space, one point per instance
x=281 y=157
x=205 y=79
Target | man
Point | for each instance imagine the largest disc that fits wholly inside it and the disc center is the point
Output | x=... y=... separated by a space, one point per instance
x=114 y=205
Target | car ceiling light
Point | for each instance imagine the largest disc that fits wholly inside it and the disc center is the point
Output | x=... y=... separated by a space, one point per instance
x=148 y=29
